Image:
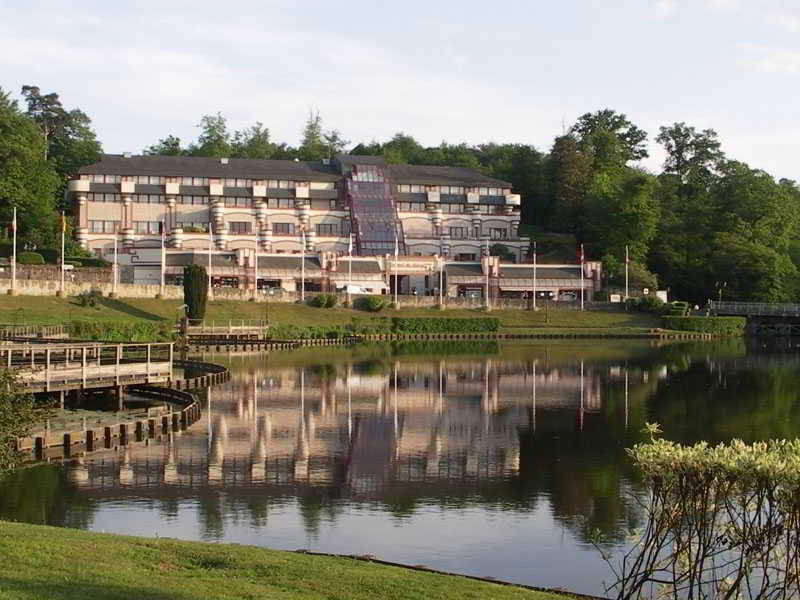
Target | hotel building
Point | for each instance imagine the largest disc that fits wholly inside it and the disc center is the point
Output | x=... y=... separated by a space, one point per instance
x=251 y=220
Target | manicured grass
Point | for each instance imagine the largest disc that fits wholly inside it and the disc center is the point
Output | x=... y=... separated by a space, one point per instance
x=50 y=309
x=66 y=564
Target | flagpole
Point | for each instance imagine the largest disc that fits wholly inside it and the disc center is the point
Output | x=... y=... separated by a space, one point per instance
x=396 y=254
x=116 y=267
x=534 y=276
x=626 y=271
x=63 y=229
x=350 y=269
x=210 y=247
x=303 y=266
x=163 y=259
x=14 y=257
x=582 y=277
x=441 y=282
x=488 y=305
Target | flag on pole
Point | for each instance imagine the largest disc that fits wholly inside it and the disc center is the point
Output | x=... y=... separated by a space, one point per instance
x=396 y=245
x=14 y=222
x=63 y=223
x=350 y=245
x=627 y=259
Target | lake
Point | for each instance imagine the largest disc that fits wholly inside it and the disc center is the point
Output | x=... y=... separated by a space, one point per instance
x=492 y=459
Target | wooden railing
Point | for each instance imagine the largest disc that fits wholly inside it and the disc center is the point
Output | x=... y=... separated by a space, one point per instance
x=229 y=326
x=53 y=367
x=8 y=331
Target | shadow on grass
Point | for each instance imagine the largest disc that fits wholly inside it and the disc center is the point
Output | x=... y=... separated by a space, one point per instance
x=78 y=590
x=127 y=309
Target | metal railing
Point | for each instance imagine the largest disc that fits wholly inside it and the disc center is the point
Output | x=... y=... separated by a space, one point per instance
x=756 y=309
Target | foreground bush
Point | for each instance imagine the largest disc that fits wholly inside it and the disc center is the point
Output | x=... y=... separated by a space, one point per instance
x=17 y=415
x=715 y=325
x=428 y=325
x=722 y=522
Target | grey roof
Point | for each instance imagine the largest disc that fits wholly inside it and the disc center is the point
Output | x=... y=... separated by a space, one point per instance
x=197 y=166
x=359 y=266
x=246 y=168
x=542 y=272
x=430 y=175
x=463 y=269
x=289 y=262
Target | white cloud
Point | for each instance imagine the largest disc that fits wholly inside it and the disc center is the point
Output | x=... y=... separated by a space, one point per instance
x=663 y=10
x=769 y=59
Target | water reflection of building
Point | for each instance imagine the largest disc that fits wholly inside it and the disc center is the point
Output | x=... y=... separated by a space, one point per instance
x=416 y=422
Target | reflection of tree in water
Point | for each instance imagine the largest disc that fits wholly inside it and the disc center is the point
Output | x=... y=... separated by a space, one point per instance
x=44 y=495
x=752 y=400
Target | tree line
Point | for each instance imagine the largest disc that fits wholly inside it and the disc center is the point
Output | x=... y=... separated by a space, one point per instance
x=703 y=224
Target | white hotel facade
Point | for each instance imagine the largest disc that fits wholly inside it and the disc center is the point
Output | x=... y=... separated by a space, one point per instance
x=240 y=209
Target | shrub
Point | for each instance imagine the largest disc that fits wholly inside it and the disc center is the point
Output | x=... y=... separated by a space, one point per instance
x=646 y=304
x=89 y=298
x=331 y=300
x=601 y=296
x=715 y=325
x=318 y=301
x=87 y=261
x=195 y=291
x=30 y=258
x=721 y=522
x=428 y=325
x=374 y=303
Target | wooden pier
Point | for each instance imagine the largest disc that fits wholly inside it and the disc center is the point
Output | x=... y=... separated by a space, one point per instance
x=61 y=367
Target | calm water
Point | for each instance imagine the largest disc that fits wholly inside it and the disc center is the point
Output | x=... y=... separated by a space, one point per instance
x=483 y=459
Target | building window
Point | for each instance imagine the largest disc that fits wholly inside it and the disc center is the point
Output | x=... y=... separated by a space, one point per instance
x=103 y=226
x=186 y=181
x=146 y=227
x=497 y=233
x=452 y=208
x=232 y=202
x=280 y=203
x=458 y=233
x=416 y=189
x=327 y=229
x=193 y=226
x=464 y=257
x=240 y=227
x=411 y=206
x=200 y=181
x=283 y=228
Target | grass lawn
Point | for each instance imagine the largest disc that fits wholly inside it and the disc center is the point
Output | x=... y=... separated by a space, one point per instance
x=61 y=564
x=50 y=309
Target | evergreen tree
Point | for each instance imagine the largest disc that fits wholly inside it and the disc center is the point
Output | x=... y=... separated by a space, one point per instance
x=195 y=291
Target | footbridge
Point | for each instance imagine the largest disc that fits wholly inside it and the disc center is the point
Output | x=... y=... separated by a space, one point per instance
x=763 y=318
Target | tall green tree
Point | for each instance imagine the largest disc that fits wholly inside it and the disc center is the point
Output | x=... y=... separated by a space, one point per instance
x=253 y=142
x=28 y=181
x=592 y=131
x=214 y=139
x=312 y=145
x=47 y=111
x=168 y=146
x=568 y=176
x=195 y=291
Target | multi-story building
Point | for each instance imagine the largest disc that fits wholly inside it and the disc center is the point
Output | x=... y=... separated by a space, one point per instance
x=249 y=222
x=271 y=205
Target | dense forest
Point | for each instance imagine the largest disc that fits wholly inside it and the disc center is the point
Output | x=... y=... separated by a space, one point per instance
x=704 y=223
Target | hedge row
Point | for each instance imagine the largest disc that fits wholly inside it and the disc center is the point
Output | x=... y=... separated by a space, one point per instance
x=715 y=325
x=428 y=325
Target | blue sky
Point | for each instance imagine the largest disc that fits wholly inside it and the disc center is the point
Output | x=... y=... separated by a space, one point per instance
x=514 y=71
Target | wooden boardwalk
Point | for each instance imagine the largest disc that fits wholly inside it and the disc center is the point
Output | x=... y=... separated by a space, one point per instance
x=60 y=367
